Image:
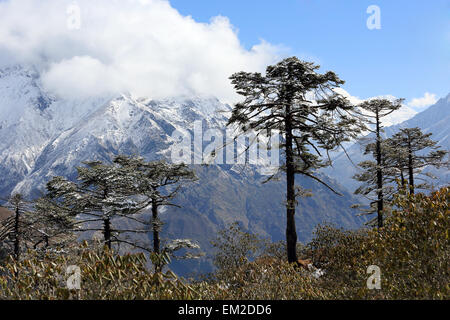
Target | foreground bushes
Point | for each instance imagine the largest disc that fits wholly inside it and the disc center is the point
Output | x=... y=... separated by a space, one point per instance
x=412 y=252
x=104 y=275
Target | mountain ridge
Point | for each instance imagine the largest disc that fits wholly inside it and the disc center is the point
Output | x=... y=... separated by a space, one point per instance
x=44 y=142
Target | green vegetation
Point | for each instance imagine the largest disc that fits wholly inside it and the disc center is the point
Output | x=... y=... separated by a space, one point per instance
x=104 y=275
x=412 y=251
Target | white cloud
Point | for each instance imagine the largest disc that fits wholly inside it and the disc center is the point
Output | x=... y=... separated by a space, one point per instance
x=144 y=47
x=80 y=76
x=419 y=104
x=353 y=99
x=398 y=116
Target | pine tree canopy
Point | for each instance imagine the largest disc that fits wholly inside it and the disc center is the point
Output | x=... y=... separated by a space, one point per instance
x=413 y=141
x=105 y=192
x=294 y=98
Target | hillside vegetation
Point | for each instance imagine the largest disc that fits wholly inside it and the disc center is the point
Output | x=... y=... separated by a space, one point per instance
x=412 y=251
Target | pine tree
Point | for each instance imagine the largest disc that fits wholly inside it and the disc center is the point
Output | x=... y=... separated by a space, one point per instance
x=312 y=118
x=369 y=176
x=28 y=228
x=12 y=229
x=409 y=154
x=111 y=194
x=103 y=193
x=162 y=183
x=374 y=110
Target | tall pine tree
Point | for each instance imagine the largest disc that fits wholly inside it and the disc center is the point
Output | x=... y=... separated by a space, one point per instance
x=102 y=194
x=300 y=103
x=375 y=110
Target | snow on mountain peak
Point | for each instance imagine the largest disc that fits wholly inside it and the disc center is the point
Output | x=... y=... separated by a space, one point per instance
x=44 y=135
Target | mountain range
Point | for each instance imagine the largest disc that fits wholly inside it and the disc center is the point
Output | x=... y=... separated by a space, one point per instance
x=42 y=135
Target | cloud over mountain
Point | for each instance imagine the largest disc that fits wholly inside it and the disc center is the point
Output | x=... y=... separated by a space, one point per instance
x=398 y=116
x=420 y=104
x=148 y=48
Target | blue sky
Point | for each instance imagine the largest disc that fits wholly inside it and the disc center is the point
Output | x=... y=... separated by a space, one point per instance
x=407 y=57
x=150 y=49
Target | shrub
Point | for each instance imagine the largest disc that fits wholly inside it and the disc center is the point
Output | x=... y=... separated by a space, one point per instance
x=413 y=249
x=104 y=275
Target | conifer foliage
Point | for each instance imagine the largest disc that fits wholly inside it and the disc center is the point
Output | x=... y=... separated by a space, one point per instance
x=108 y=197
x=373 y=171
x=300 y=103
x=29 y=228
x=411 y=152
x=398 y=160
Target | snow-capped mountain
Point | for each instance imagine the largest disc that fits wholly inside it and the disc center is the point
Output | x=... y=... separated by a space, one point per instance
x=42 y=135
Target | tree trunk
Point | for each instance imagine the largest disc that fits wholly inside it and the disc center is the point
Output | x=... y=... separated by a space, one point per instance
x=107 y=232
x=156 y=241
x=16 y=234
x=410 y=168
x=402 y=179
x=380 y=201
x=291 y=234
